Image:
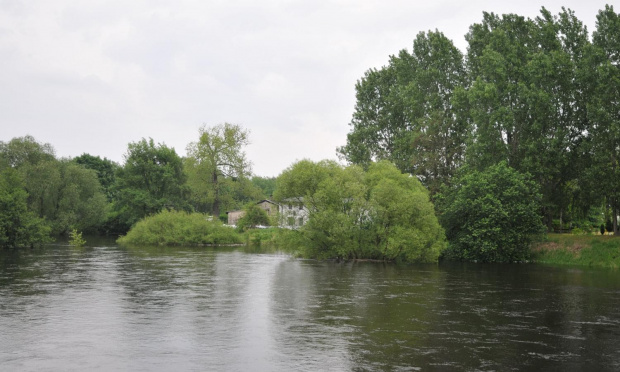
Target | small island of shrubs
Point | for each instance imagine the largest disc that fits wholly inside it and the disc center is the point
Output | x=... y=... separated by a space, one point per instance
x=180 y=228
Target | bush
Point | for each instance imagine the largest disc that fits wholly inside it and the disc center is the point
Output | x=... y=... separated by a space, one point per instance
x=259 y=237
x=76 y=239
x=579 y=231
x=19 y=227
x=490 y=216
x=254 y=216
x=379 y=214
x=180 y=228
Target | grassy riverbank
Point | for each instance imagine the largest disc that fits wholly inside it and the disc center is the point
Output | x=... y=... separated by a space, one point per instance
x=583 y=250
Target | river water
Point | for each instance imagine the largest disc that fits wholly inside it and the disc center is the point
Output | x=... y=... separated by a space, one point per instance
x=226 y=309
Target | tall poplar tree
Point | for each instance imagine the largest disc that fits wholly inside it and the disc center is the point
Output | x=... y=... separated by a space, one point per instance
x=528 y=99
x=605 y=110
x=405 y=114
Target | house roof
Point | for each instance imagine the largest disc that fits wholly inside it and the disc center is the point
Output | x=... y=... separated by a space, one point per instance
x=268 y=201
x=298 y=199
x=259 y=202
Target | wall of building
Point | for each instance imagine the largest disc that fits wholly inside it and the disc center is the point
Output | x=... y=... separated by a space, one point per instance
x=234 y=216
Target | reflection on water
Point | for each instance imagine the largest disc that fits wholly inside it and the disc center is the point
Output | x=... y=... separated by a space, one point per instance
x=109 y=308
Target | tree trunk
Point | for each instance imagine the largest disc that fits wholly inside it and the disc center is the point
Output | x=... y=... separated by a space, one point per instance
x=614 y=210
x=614 y=198
x=216 y=196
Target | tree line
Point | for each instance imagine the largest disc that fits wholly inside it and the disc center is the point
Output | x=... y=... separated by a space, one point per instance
x=42 y=195
x=520 y=133
x=538 y=95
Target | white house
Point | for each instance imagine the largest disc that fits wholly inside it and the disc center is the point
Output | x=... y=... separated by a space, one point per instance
x=293 y=213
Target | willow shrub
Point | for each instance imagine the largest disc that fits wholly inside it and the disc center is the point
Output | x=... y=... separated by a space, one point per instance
x=180 y=228
x=378 y=214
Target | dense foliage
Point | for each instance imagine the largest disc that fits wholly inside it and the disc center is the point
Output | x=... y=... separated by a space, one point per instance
x=538 y=94
x=151 y=180
x=57 y=196
x=218 y=169
x=377 y=214
x=404 y=112
x=491 y=216
x=254 y=216
x=531 y=107
x=180 y=228
x=62 y=193
x=106 y=171
x=266 y=184
x=19 y=227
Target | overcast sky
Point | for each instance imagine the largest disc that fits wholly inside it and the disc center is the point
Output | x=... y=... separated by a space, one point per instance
x=90 y=76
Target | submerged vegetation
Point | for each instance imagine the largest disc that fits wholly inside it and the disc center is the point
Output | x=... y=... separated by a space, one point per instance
x=180 y=228
x=76 y=239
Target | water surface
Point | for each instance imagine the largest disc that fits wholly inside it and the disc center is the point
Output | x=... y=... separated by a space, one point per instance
x=195 y=309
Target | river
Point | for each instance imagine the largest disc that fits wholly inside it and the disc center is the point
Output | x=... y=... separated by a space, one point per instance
x=107 y=308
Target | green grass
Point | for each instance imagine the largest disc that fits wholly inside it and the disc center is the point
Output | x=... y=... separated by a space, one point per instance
x=582 y=250
x=180 y=228
x=259 y=237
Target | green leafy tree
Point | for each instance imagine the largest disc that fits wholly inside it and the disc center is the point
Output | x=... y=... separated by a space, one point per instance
x=240 y=192
x=404 y=112
x=42 y=181
x=254 y=216
x=528 y=101
x=25 y=150
x=604 y=111
x=106 y=171
x=152 y=179
x=557 y=105
x=379 y=123
x=498 y=53
x=80 y=201
x=402 y=216
x=215 y=162
x=39 y=170
x=491 y=216
x=18 y=225
x=438 y=132
x=64 y=193
x=266 y=184
x=378 y=214
x=301 y=181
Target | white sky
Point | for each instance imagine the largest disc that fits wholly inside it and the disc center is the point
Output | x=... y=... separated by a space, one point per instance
x=90 y=76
